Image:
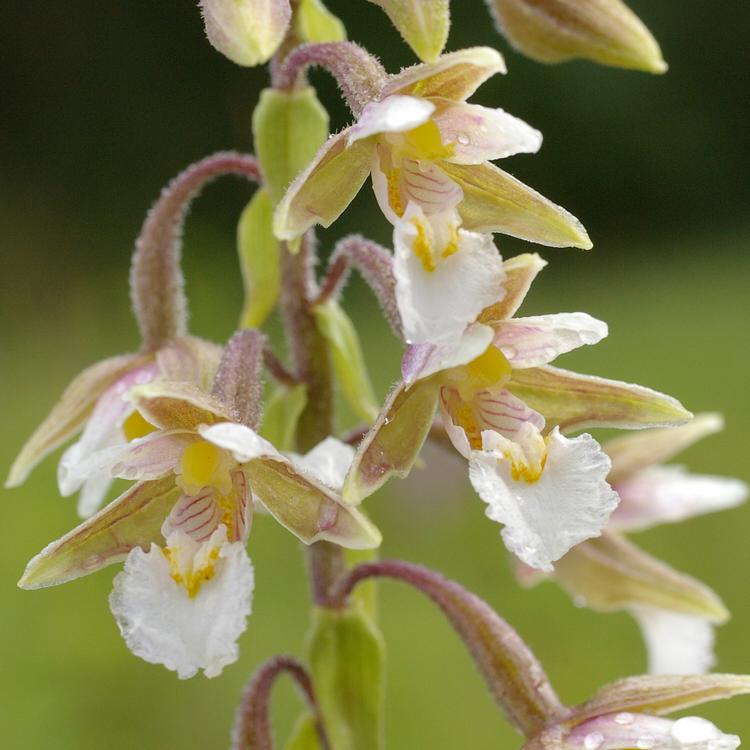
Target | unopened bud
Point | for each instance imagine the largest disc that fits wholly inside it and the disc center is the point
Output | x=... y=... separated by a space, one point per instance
x=248 y=32
x=605 y=31
x=424 y=24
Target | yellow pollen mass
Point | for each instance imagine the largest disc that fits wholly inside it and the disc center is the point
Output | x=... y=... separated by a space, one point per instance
x=394 y=191
x=200 y=460
x=427 y=142
x=521 y=471
x=422 y=248
x=135 y=426
x=489 y=369
x=193 y=579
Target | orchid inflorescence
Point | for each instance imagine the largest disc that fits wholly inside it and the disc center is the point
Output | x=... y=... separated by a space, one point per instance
x=186 y=421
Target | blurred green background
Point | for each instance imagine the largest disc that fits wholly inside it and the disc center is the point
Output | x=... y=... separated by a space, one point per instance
x=102 y=103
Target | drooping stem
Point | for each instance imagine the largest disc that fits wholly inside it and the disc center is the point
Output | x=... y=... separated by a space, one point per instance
x=157 y=285
x=375 y=265
x=252 y=727
x=360 y=76
x=512 y=672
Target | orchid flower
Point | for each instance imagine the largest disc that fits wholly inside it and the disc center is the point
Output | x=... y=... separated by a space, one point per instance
x=425 y=146
x=675 y=612
x=97 y=401
x=184 y=595
x=628 y=714
x=504 y=409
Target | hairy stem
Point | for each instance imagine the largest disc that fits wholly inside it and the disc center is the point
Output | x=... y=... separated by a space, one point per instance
x=512 y=672
x=360 y=76
x=252 y=727
x=157 y=286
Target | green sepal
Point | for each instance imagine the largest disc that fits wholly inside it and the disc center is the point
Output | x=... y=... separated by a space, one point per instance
x=347 y=655
x=313 y=22
x=132 y=520
x=259 y=256
x=288 y=128
x=304 y=735
x=348 y=361
x=282 y=415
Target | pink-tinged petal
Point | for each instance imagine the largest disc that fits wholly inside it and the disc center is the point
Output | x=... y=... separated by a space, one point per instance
x=306 y=507
x=71 y=412
x=146 y=458
x=436 y=306
x=189 y=360
x=495 y=201
x=242 y=442
x=478 y=134
x=520 y=272
x=676 y=643
x=162 y=624
x=394 y=114
x=178 y=406
x=534 y=341
x=544 y=517
x=624 y=732
x=611 y=574
x=242 y=507
x=392 y=445
x=631 y=453
x=196 y=516
x=574 y=401
x=669 y=494
x=422 y=360
x=134 y=519
x=325 y=188
x=660 y=694
x=455 y=76
x=500 y=412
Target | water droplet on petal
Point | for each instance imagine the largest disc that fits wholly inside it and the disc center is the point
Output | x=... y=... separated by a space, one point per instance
x=624 y=718
x=463 y=139
x=647 y=742
x=593 y=741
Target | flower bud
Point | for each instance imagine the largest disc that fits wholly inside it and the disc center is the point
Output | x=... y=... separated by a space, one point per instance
x=424 y=24
x=605 y=31
x=248 y=32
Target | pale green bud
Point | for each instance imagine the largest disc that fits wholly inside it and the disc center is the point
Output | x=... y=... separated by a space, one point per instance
x=314 y=23
x=248 y=32
x=605 y=31
x=424 y=24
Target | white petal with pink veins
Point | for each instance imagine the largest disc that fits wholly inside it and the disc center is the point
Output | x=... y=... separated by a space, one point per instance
x=479 y=134
x=436 y=306
x=163 y=624
x=677 y=643
x=535 y=341
x=197 y=516
x=543 y=517
x=394 y=114
x=668 y=494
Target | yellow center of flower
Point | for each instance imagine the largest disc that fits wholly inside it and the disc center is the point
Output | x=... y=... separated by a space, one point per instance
x=135 y=426
x=426 y=142
x=201 y=465
x=191 y=577
x=490 y=370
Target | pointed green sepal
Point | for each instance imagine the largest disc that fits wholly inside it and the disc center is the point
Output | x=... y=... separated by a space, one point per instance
x=304 y=735
x=573 y=401
x=132 y=520
x=348 y=361
x=392 y=446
